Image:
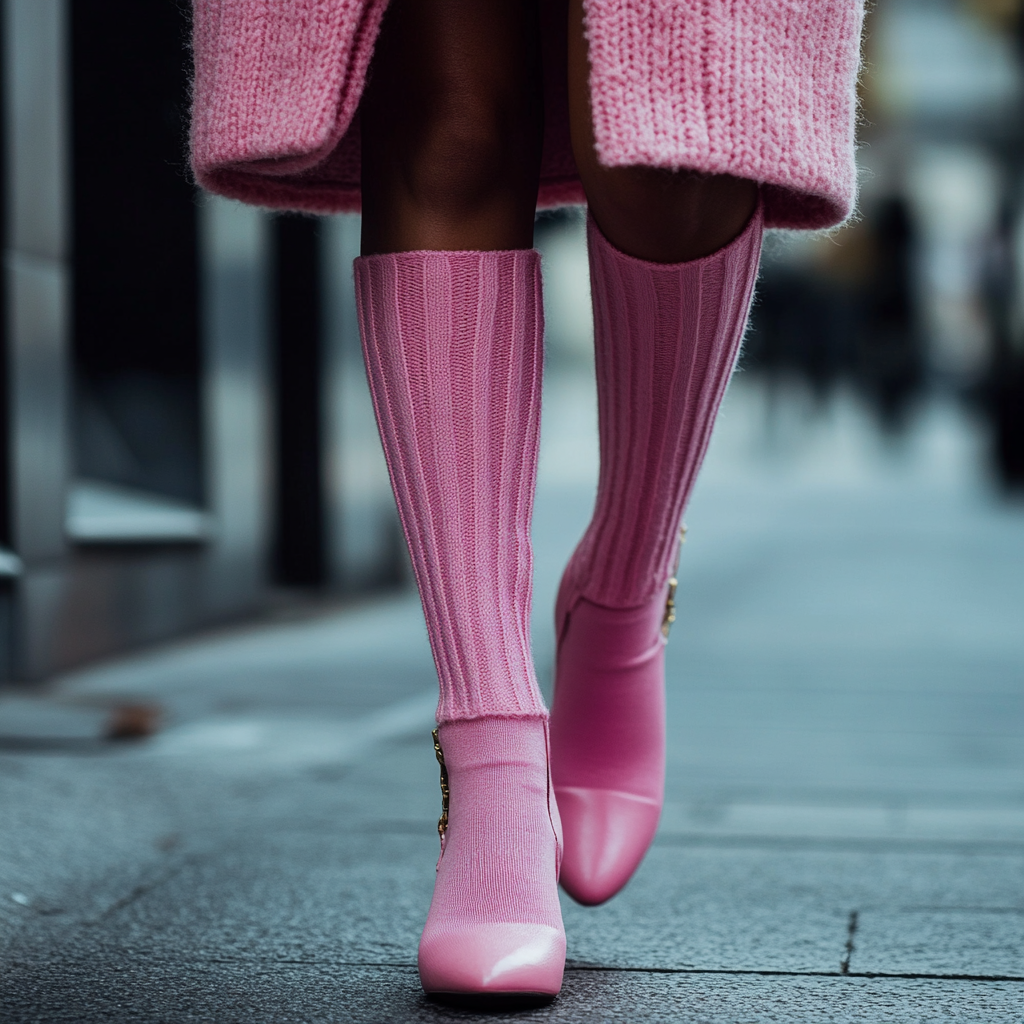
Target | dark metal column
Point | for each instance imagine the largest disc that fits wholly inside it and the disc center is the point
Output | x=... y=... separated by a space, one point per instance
x=299 y=537
x=136 y=286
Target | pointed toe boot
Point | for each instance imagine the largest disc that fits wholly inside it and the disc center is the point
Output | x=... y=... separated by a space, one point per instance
x=608 y=739
x=495 y=925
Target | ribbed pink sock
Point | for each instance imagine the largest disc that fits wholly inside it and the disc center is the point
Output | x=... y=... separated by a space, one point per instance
x=666 y=340
x=453 y=345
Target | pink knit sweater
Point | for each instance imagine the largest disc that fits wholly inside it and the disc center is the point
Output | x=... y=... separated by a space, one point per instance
x=762 y=89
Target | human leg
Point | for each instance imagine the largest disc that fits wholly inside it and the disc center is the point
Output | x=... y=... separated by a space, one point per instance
x=452 y=127
x=669 y=314
x=650 y=213
x=451 y=319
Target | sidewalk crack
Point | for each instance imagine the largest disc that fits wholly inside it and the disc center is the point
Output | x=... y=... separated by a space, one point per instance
x=851 y=930
x=138 y=891
x=770 y=973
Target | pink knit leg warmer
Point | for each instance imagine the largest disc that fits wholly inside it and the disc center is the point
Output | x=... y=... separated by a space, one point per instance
x=667 y=338
x=666 y=342
x=453 y=345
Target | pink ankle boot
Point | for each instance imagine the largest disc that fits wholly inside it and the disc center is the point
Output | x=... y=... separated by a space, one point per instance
x=453 y=345
x=607 y=739
x=495 y=925
x=666 y=339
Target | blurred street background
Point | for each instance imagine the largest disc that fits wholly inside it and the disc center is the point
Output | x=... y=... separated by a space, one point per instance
x=217 y=788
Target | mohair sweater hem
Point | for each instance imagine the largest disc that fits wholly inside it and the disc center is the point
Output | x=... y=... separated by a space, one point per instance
x=761 y=89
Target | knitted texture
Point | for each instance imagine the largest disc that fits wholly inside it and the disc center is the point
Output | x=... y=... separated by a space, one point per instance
x=276 y=88
x=762 y=89
x=453 y=345
x=666 y=340
x=500 y=858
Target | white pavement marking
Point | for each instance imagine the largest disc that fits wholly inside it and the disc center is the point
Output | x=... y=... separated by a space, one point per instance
x=293 y=741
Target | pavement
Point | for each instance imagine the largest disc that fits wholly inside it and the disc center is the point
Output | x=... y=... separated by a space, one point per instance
x=843 y=838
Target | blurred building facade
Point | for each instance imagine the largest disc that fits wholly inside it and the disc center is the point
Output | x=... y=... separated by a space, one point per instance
x=185 y=423
x=923 y=292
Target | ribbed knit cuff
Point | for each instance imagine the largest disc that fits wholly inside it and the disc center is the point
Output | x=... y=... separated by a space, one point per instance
x=666 y=340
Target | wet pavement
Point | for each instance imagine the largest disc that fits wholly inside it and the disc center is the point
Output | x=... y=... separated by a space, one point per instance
x=843 y=837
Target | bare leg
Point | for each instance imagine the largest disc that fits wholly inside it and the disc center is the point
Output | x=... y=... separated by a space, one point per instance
x=653 y=214
x=453 y=127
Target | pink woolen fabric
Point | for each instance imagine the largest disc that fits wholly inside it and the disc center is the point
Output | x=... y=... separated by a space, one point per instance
x=763 y=89
x=276 y=88
x=666 y=340
x=499 y=862
x=453 y=346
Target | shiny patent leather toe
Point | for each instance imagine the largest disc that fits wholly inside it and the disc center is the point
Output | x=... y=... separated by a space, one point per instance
x=493 y=959
x=606 y=835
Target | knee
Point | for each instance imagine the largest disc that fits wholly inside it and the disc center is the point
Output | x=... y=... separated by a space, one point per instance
x=452 y=168
x=452 y=126
x=669 y=216
x=468 y=150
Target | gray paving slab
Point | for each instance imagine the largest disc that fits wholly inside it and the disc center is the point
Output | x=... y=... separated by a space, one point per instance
x=845 y=787
x=226 y=992
x=347 y=870
x=790 y=909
